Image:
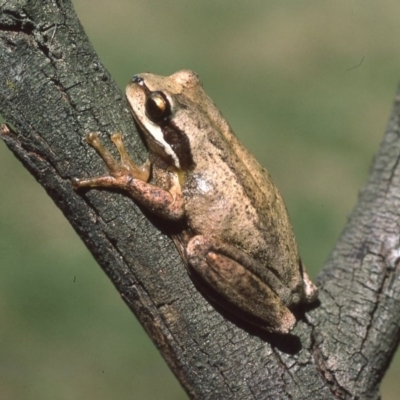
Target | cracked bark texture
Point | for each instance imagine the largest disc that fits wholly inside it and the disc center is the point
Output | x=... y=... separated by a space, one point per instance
x=53 y=90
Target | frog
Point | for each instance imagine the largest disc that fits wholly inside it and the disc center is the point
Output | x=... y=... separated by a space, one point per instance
x=233 y=230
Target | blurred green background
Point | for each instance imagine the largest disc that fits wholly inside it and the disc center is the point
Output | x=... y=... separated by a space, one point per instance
x=307 y=86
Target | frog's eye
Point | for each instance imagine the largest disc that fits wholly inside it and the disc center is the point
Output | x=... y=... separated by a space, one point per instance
x=157 y=107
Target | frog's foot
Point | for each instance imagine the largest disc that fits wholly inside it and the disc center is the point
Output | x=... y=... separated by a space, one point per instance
x=310 y=290
x=228 y=271
x=120 y=171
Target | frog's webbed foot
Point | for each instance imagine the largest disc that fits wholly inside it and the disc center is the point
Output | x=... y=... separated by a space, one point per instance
x=310 y=290
x=126 y=175
x=120 y=171
x=226 y=270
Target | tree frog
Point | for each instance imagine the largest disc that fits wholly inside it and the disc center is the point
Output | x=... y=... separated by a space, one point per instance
x=233 y=232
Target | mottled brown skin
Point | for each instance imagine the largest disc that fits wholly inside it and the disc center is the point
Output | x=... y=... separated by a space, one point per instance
x=236 y=232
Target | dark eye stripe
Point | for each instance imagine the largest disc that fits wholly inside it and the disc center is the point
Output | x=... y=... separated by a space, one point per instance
x=176 y=138
x=179 y=143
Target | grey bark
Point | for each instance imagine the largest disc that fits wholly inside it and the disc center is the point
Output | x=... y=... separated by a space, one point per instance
x=53 y=90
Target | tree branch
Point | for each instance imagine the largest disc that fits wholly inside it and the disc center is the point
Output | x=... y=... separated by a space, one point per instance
x=357 y=325
x=53 y=91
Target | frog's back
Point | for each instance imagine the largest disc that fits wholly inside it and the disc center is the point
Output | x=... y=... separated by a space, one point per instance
x=243 y=206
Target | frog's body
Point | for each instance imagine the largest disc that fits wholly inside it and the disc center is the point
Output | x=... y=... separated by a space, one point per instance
x=237 y=236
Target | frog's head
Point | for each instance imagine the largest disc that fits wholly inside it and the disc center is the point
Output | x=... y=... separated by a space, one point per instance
x=175 y=115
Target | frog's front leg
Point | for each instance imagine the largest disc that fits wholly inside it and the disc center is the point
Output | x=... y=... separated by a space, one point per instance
x=228 y=271
x=126 y=175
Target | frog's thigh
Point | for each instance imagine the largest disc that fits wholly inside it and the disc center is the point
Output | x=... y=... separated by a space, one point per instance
x=238 y=286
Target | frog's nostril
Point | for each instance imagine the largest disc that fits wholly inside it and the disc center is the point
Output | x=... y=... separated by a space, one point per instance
x=137 y=79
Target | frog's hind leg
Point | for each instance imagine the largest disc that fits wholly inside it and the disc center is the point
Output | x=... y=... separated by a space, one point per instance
x=223 y=268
